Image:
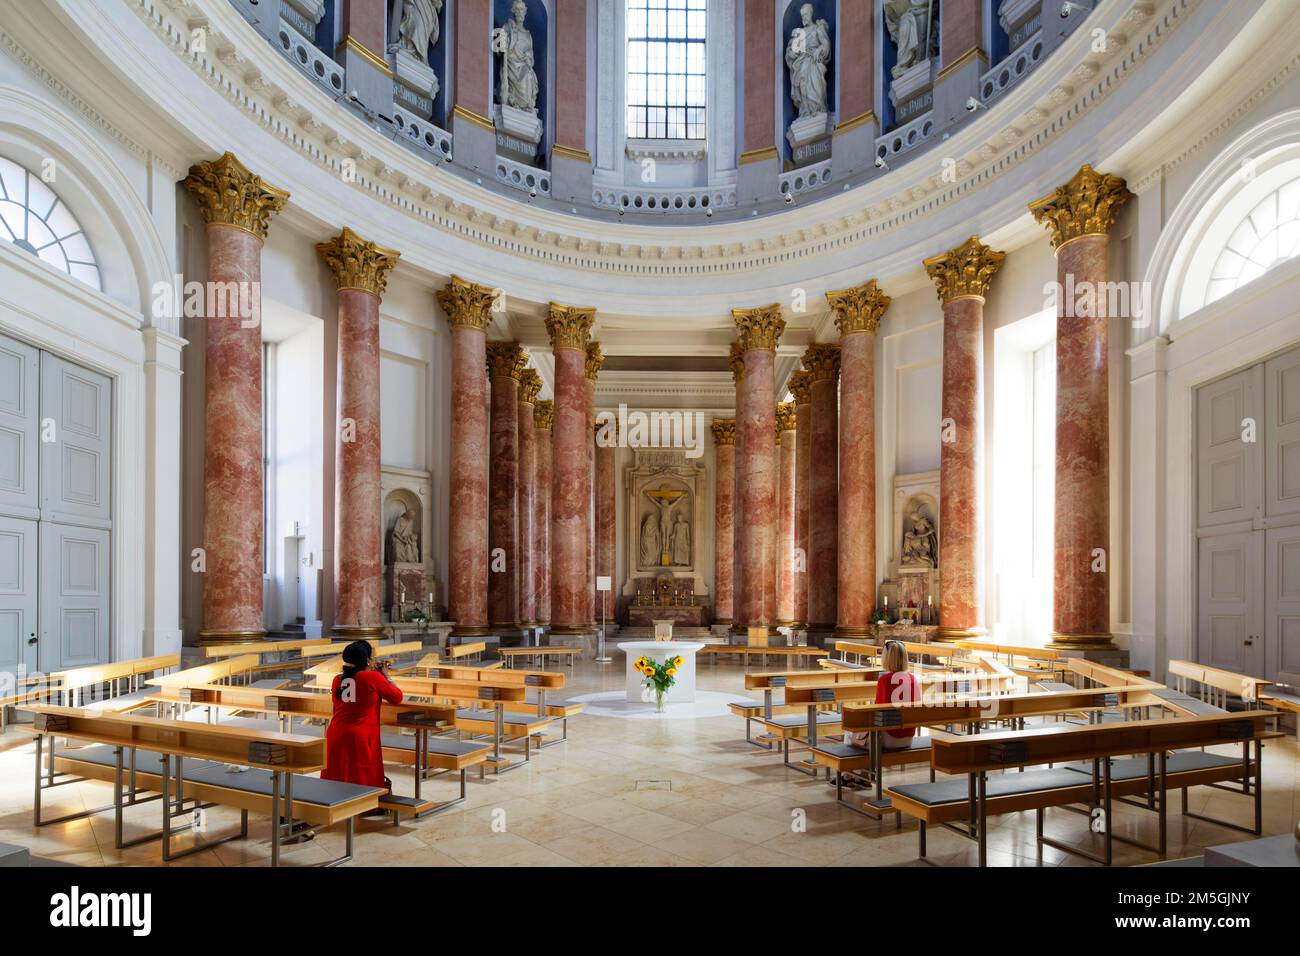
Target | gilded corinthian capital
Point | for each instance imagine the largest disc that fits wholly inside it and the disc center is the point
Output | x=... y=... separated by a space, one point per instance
x=595 y=359
x=724 y=431
x=801 y=386
x=784 y=418
x=506 y=360
x=229 y=194
x=822 y=361
x=467 y=305
x=859 y=309
x=544 y=415
x=966 y=270
x=736 y=359
x=760 y=328
x=530 y=383
x=569 y=326
x=357 y=263
x=1085 y=206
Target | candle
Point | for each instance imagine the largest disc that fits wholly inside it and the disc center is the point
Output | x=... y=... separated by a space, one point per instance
x=929 y=599
x=886 y=600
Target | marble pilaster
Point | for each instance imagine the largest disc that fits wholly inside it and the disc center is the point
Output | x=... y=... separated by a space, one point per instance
x=505 y=365
x=530 y=383
x=822 y=362
x=544 y=421
x=800 y=388
x=786 y=478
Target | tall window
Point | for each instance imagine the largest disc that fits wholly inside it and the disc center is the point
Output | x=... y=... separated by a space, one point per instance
x=36 y=221
x=665 y=69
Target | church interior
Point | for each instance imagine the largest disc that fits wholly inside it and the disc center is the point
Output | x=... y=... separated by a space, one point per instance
x=649 y=433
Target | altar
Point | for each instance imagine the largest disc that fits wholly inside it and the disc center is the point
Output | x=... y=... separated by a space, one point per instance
x=644 y=615
x=681 y=692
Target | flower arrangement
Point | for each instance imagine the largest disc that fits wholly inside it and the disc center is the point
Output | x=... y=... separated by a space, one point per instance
x=659 y=675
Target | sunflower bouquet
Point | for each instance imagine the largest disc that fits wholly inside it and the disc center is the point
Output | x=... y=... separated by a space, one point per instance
x=659 y=675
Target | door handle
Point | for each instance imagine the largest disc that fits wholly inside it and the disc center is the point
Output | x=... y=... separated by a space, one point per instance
x=31 y=638
x=1250 y=641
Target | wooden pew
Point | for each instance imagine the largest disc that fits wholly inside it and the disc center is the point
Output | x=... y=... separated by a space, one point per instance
x=714 y=651
x=427 y=757
x=1214 y=685
x=539 y=654
x=1097 y=783
x=473 y=649
x=769 y=682
x=158 y=750
x=229 y=670
x=383 y=652
x=543 y=681
x=118 y=680
x=265 y=647
x=1034 y=663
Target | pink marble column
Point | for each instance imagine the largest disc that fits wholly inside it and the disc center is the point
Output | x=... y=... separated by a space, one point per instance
x=237 y=207
x=606 y=517
x=823 y=364
x=592 y=368
x=505 y=364
x=361 y=271
x=800 y=388
x=724 y=497
x=785 y=564
x=962 y=276
x=737 y=362
x=568 y=328
x=858 y=312
x=1080 y=215
x=544 y=421
x=760 y=330
x=469 y=312
x=530 y=383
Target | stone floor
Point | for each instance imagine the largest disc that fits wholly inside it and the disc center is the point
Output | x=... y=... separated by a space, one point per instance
x=658 y=792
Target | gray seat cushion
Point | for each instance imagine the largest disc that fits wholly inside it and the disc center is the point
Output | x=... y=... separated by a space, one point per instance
x=1055 y=686
x=1133 y=768
x=122 y=702
x=511 y=719
x=842 y=751
x=1197 y=706
x=146 y=761
x=838 y=663
x=956 y=789
x=798 y=720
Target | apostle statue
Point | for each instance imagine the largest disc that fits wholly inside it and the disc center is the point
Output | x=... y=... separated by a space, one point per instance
x=908 y=22
x=405 y=539
x=920 y=543
x=681 y=541
x=418 y=28
x=806 y=56
x=649 y=540
x=517 y=86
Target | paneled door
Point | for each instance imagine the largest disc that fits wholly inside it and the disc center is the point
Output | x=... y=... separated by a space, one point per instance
x=20 y=423
x=74 y=596
x=1231 y=615
x=18 y=598
x=76 y=451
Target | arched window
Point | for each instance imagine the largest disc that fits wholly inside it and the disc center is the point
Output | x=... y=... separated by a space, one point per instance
x=35 y=220
x=666 y=88
x=1267 y=236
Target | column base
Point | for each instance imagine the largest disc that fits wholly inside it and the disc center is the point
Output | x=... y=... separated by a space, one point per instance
x=723 y=622
x=1082 y=642
x=574 y=628
x=471 y=630
x=216 y=638
x=947 y=635
x=505 y=626
x=358 y=632
x=851 y=632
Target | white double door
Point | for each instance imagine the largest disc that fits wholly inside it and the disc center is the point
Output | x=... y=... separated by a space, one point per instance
x=55 y=511
x=1248 y=520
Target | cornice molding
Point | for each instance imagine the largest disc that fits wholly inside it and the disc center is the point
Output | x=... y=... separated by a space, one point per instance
x=241 y=66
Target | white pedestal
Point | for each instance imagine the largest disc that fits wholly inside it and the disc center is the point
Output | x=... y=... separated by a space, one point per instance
x=681 y=692
x=808 y=128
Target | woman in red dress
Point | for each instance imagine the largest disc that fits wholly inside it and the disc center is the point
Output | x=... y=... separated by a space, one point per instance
x=352 y=747
x=897 y=685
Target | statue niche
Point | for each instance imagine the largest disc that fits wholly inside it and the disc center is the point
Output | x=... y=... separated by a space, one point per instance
x=665 y=529
x=919 y=548
x=406 y=581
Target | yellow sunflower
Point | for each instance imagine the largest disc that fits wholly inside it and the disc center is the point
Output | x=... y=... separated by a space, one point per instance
x=672 y=672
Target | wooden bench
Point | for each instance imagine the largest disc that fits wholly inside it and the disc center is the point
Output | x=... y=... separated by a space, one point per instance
x=473 y=649
x=539 y=654
x=194 y=759
x=714 y=651
x=117 y=683
x=543 y=683
x=1096 y=769
x=1034 y=663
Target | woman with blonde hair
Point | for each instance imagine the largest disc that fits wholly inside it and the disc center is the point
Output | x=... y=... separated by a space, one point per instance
x=897 y=685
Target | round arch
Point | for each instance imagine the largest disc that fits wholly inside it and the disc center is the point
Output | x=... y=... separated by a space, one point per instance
x=1255 y=165
x=130 y=253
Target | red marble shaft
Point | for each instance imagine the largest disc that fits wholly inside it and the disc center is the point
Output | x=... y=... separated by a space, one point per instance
x=358 y=546
x=823 y=506
x=1082 y=594
x=570 y=494
x=606 y=526
x=724 y=516
x=591 y=502
x=542 y=527
x=961 y=470
x=467 y=516
x=758 y=490
x=803 y=474
x=738 y=605
x=232 y=450
x=503 y=498
x=525 y=509
x=856 y=564
x=786 y=529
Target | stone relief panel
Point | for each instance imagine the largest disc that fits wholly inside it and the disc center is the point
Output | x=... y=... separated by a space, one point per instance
x=665 y=491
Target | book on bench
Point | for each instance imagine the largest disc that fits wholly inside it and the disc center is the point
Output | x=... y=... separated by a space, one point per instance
x=1009 y=751
x=260 y=751
x=50 y=723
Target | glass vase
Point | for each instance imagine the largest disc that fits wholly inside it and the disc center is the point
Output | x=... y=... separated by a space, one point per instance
x=659 y=700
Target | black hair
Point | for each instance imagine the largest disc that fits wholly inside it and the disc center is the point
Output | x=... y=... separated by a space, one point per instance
x=356 y=657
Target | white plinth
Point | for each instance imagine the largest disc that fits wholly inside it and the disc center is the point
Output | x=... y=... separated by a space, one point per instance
x=681 y=692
